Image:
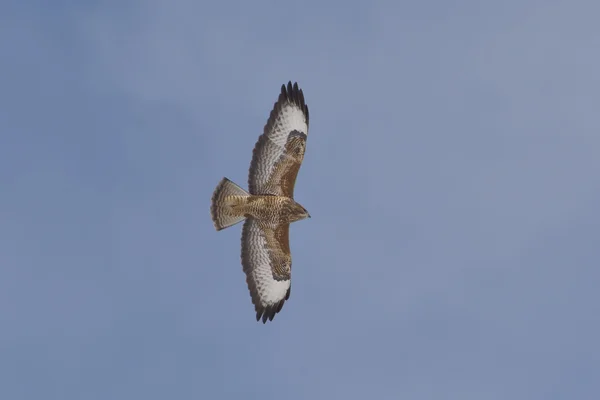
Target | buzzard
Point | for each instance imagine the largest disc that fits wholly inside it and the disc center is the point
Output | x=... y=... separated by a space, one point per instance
x=268 y=207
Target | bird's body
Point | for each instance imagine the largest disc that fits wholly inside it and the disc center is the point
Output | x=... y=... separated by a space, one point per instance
x=274 y=210
x=268 y=208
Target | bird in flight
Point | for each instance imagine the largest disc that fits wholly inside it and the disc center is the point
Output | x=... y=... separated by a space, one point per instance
x=268 y=207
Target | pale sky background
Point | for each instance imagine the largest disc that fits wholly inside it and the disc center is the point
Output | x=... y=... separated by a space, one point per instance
x=452 y=174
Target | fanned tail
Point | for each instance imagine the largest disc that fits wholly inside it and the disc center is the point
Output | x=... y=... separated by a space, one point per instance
x=224 y=199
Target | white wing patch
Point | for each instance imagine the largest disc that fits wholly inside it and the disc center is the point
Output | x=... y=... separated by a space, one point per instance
x=270 y=291
x=290 y=118
x=268 y=294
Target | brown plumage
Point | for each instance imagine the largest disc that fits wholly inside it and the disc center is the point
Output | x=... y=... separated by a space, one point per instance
x=268 y=208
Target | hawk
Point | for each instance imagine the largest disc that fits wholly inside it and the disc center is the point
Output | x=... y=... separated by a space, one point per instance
x=268 y=207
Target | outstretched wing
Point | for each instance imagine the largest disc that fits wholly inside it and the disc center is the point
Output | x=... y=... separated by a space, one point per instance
x=279 y=151
x=267 y=262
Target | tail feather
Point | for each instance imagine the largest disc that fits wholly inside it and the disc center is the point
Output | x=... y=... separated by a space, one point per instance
x=226 y=195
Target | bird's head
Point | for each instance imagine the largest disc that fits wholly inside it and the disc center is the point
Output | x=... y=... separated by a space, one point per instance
x=299 y=212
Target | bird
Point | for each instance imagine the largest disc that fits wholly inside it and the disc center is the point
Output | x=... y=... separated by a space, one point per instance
x=268 y=206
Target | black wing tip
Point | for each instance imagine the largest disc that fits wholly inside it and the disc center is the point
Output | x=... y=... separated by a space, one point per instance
x=294 y=94
x=268 y=313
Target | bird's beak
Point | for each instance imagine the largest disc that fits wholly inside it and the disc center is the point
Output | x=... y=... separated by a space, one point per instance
x=308 y=215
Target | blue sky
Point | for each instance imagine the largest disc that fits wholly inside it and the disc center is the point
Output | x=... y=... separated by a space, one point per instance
x=452 y=175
